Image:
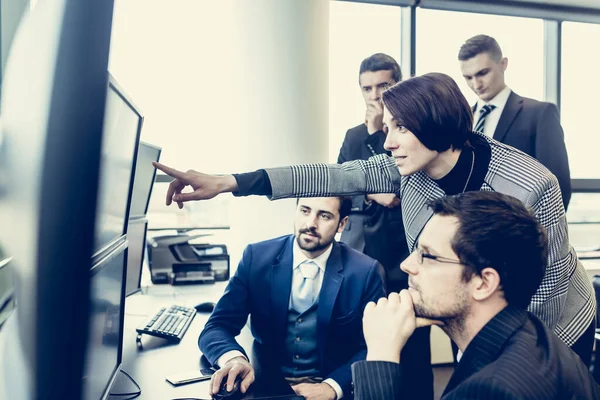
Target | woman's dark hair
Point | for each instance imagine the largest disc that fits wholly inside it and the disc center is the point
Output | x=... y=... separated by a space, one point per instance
x=497 y=231
x=433 y=108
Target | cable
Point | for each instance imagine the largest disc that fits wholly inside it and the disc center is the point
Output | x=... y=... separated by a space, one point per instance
x=132 y=394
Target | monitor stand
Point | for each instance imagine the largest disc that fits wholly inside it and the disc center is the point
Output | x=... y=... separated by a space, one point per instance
x=124 y=385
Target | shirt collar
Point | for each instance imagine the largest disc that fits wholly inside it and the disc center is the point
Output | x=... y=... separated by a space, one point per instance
x=321 y=260
x=499 y=100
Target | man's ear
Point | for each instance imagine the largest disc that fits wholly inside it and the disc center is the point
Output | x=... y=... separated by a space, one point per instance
x=504 y=63
x=486 y=284
x=342 y=224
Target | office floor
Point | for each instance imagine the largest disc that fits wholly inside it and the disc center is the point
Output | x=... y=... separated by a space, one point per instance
x=441 y=376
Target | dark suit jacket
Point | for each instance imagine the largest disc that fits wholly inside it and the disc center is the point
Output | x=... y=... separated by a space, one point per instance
x=375 y=230
x=534 y=127
x=261 y=288
x=514 y=356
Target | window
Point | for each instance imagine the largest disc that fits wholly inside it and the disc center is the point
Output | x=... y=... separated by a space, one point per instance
x=171 y=64
x=356 y=31
x=441 y=33
x=579 y=106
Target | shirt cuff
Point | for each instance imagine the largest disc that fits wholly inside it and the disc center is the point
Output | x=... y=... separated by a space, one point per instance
x=336 y=387
x=253 y=183
x=228 y=356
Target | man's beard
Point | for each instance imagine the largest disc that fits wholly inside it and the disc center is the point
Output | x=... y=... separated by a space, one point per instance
x=315 y=245
x=453 y=318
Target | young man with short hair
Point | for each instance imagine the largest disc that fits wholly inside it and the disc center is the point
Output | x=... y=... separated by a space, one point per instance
x=305 y=294
x=529 y=125
x=475 y=267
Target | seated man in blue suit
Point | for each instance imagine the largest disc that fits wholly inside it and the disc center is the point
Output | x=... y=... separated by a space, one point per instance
x=305 y=294
x=476 y=265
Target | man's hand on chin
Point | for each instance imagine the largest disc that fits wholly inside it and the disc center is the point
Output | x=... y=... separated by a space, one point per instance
x=387 y=326
x=315 y=391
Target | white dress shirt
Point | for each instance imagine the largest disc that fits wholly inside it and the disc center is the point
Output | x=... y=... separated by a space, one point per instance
x=299 y=258
x=491 y=121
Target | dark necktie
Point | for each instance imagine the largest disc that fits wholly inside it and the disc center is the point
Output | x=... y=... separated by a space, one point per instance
x=483 y=112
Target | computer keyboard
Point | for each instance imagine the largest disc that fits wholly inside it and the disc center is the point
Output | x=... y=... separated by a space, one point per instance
x=169 y=323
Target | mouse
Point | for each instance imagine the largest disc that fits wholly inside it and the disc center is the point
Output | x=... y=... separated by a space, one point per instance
x=225 y=394
x=206 y=307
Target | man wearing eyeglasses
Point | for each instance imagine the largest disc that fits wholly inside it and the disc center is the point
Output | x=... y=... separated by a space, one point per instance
x=476 y=265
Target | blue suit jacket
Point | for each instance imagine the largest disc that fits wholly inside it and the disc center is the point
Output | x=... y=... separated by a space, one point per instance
x=261 y=288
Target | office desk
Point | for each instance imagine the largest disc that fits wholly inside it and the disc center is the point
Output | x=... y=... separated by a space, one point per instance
x=159 y=358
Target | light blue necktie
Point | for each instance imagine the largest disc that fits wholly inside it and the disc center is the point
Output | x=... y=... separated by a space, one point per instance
x=304 y=295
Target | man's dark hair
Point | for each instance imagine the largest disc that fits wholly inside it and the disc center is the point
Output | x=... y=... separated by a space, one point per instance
x=345 y=206
x=497 y=231
x=433 y=108
x=381 y=62
x=480 y=44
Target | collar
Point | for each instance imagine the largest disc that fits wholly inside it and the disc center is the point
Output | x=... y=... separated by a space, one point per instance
x=455 y=180
x=488 y=344
x=299 y=257
x=499 y=100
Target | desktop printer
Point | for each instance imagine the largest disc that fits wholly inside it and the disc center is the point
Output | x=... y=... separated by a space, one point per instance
x=173 y=259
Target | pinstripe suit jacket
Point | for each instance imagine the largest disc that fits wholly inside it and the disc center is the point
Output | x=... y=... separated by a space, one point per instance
x=565 y=299
x=514 y=356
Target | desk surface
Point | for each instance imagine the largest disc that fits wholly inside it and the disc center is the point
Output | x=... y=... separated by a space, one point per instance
x=158 y=358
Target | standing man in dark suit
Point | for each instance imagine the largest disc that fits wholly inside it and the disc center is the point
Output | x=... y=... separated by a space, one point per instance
x=305 y=294
x=476 y=265
x=375 y=224
x=529 y=125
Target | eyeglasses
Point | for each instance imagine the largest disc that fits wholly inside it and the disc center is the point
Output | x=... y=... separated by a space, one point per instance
x=421 y=255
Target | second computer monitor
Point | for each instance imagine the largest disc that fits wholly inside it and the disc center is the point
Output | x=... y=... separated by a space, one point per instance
x=144 y=179
x=122 y=128
x=136 y=235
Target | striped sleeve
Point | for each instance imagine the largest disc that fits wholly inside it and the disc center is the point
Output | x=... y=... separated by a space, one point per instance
x=564 y=301
x=380 y=380
x=378 y=174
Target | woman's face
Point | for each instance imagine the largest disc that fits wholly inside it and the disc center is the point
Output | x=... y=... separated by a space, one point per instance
x=410 y=154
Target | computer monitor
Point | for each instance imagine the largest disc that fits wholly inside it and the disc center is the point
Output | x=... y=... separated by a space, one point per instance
x=105 y=337
x=144 y=179
x=52 y=113
x=136 y=236
x=122 y=128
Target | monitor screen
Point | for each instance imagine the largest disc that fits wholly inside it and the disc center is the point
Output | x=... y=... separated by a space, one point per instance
x=122 y=127
x=136 y=235
x=144 y=179
x=103 y=356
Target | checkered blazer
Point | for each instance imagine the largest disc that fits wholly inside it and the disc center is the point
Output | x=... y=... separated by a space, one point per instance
x=565 y=300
